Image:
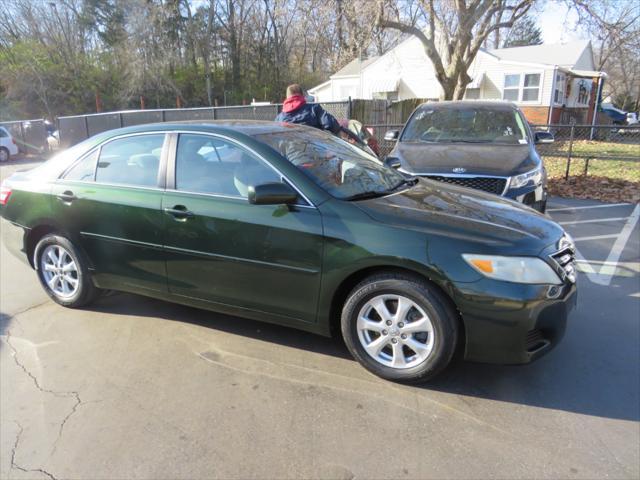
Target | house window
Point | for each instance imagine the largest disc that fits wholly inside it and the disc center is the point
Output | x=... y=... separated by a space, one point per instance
x=521 y=87
x=559 y=92
x=511 y=88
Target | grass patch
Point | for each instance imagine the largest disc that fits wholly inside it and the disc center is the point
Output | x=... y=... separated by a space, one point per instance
x=616 y=169
x=594 y=148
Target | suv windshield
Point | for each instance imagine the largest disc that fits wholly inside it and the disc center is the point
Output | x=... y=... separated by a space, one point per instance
x=475 y=124
x=345 y=171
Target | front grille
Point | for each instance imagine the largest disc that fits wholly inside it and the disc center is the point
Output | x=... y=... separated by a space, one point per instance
x=486 y=184
x=565 y=259
x=535 y=340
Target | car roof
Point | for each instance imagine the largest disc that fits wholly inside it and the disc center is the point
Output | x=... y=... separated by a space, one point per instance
x=461 y=104
x=247 y=127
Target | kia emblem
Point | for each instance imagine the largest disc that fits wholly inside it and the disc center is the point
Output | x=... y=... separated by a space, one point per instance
x=459 y=170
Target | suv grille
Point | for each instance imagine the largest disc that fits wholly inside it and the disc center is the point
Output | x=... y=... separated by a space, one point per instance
x=565 y=259
x=486 y=184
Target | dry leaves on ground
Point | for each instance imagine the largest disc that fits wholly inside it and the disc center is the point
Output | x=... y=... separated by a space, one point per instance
x=596 y=188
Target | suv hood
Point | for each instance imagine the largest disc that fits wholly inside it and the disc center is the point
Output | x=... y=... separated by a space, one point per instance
x=454 y=212
x=476 y=158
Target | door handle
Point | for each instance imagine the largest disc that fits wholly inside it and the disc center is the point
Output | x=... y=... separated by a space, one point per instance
x=67 y=196
x=179 y=212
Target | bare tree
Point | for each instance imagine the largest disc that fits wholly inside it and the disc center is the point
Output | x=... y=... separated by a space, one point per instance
x=454 y=32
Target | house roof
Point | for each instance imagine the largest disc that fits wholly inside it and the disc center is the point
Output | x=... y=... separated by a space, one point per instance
x=563 y=54
x=354 y=67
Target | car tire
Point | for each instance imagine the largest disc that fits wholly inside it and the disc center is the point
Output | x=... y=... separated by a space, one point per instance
x=63 y=272
x=4 y=154
x=415 y=336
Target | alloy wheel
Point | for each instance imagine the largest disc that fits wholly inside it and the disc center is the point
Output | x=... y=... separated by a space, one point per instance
x=395 y=331
x=59 y=271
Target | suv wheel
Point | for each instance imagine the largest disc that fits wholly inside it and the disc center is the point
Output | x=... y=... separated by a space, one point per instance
x=63 y=272
x=4 y=154
x=399 y=327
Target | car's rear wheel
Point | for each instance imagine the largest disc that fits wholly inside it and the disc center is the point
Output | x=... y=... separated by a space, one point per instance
x=400 y=327
x=4 y=154
x=63 y=272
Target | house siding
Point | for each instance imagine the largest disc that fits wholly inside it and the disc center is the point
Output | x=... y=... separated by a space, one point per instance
x=408 y=62
x=585 y=61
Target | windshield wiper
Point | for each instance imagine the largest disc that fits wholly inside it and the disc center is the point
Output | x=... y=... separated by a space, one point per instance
x=410 y=182
x=367 y=194
x=459 y=140
x=381 y=193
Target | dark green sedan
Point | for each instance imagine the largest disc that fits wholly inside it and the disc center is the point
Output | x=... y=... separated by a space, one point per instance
x=290 y=225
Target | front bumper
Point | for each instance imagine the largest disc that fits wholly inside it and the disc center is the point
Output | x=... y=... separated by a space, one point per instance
x=510 y=323
x=532 y=196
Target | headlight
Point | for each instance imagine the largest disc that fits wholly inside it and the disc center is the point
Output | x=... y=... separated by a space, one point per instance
x=533 y=177
x=514 y=269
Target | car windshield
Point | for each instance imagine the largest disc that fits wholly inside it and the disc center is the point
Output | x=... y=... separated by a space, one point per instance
x=466 y=125
x=345 y=171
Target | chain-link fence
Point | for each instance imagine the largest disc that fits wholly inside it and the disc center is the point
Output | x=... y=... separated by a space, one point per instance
x=378 y=131
x=76 y=128
x=30 y=135
x=609 y=151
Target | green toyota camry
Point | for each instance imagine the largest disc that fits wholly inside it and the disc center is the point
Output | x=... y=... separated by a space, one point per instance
x=290 y=225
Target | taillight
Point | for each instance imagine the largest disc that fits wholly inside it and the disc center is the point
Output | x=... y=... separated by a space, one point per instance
x=5 y=193
x=13 y=140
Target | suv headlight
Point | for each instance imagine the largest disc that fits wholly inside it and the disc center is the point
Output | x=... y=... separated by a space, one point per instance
x=533 y=177
x=531 y=270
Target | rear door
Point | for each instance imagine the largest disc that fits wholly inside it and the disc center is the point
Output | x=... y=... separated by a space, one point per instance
x=110 y=202
x=222 y=249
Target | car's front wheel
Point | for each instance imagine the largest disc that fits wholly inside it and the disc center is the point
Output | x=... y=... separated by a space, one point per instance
x=63 y=272
x=4 y=154
x=400 y=327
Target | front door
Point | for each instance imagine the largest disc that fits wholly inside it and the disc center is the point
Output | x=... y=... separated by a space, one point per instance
x=109 y=201
x=222 y=249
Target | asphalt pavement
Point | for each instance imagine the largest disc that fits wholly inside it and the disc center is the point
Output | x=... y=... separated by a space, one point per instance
x=137 y=388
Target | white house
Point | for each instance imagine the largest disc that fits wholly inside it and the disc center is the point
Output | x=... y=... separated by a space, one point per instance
x=551 y=83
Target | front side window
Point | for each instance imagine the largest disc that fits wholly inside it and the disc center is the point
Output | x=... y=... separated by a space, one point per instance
x=478 y=124
x=521 y=87
x=343 y=170
x=84 y=170
x=131 y=161
x=206 y=164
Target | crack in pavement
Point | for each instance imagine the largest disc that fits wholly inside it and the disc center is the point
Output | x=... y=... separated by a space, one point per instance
x=63 y=394
x=19 y=467
x=13 y=316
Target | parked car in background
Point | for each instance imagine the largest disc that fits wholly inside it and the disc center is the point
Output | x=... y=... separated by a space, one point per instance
x=291 y=225
x=8 y=146
x=486 y=146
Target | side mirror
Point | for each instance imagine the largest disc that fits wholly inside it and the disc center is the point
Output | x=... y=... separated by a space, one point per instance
x=392 y=135
x=272 y=194
x=543 y=137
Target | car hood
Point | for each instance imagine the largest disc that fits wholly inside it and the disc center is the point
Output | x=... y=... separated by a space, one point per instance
x=477 y=158
x=454 y=212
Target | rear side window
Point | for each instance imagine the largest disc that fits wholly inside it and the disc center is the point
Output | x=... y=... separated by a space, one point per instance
x=206 y=164
x=131 y=161
x=3 y=133
x=84 y=170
